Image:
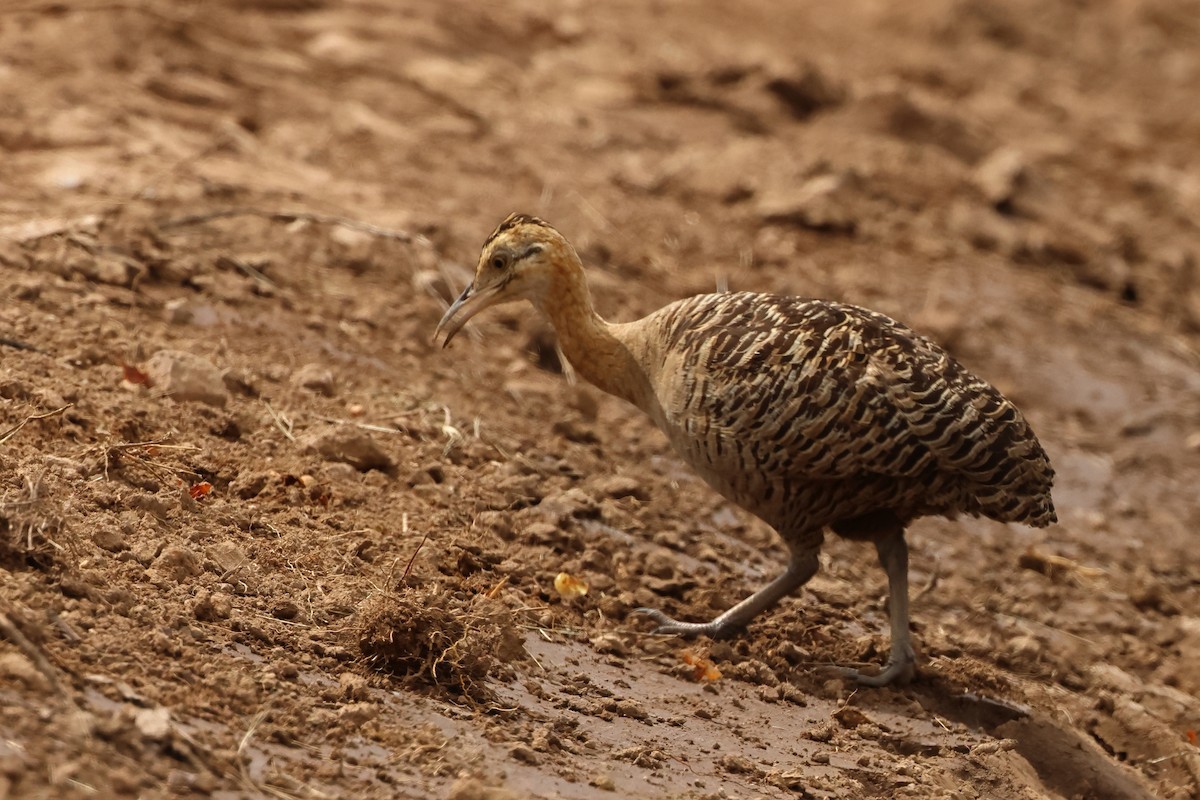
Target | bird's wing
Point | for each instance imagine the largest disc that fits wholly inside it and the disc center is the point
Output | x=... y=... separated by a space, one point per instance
x=810 y=389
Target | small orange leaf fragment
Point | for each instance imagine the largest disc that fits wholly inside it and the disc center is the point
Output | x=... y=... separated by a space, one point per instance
x=569 y=587
x=132 y=374
x=1191 y=737
x=703 y=669
x=200 y=489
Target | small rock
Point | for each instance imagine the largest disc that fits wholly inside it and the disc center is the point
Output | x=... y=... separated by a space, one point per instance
x=358 y=713
x=999 y=176
x=187 y=377
x=1024 y=647
x=472 y=789
x=574 y=503
x=804 y=90
x=736 y=764
x=186 y=311
x=17 y=667
x=825 y=203
x=176 y=563
x=285 y=609
x=923 y=121
x=314 y=378
x=248 y=485
x=823 y=732
x=115 y=270
x=574 y=432
x=351 y=446
x=14 y=390
x=241 y=381
x=630 y=708
x=603 y=782
x=228 y=556
x=145 y=552
x=212 y=606
x=354 y=686
x=619 y=486
x=153 y=723
x=342 y=49
x=110 y=539
x=524 y=754
x=659 y=564
x=149 y=503
x=610 y=644
x=850 y=717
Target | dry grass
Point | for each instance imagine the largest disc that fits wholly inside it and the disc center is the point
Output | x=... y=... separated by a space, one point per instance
x=430 y=636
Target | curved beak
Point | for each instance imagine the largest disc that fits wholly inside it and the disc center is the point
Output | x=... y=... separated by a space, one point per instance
x=468 y=304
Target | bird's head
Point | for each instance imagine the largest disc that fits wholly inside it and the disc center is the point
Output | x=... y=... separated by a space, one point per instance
x=519 y=261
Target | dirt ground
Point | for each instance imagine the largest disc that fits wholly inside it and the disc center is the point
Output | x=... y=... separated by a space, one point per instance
x=260 y=537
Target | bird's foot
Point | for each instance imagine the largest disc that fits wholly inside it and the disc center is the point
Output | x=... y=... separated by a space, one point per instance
x=717 y=629
x=900 y=672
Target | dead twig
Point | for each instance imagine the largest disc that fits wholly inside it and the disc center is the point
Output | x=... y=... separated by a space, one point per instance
x=283 y=423
x=18 y=345
x=413 y=560
x=15 y=429
x=141 y=453
x=299 y=216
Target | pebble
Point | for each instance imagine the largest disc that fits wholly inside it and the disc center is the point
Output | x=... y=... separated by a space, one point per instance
x=603 y=782
x=524 y=754
x=110 y=539
x=314 y=378
x=212 y=606
x=187 y=377
x=176 y=563
x=153 y=723
x=804 y=90
x=228 y=556
x=18 y=667
x=351 y=446
x=619 y=486
x=999 y=176
x=822 y=203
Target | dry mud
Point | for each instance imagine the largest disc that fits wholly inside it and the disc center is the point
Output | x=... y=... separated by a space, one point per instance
x=259 y=537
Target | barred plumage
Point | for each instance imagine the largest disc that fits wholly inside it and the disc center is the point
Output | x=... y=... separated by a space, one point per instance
x=810 y=414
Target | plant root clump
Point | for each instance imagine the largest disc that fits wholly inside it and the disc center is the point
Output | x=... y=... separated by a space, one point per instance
x=452 y=641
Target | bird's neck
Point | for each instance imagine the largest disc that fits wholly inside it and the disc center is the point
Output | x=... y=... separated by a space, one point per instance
x=595 y=348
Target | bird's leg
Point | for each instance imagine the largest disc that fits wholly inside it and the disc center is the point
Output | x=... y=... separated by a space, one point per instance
x=901 y=666
x=801 y=567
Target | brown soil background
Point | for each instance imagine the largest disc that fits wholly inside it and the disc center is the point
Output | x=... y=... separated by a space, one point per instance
x=1016 y=179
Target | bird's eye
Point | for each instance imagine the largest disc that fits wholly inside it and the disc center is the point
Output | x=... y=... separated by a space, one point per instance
x=499 y=262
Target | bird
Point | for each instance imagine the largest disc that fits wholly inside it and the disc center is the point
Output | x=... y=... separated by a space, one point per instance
x=813 y=415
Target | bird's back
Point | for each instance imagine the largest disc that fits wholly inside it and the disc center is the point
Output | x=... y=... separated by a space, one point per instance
x=810 y=412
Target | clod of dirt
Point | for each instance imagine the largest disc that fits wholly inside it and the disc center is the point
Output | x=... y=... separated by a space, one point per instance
x=1070 y=764
x=435 y=638
x=621 y=486
x=825 y=203
x=314 y=378
x=900 y=114
x=212 y=606
x=471 y=789
x=1000 y=176
x=16 y=667
x=804 y=90
x=186 y=377
x=353 y=447
x=176 y=564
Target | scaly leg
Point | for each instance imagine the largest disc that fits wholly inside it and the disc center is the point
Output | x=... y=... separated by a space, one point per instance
x=902 y=665
x=800 y=569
